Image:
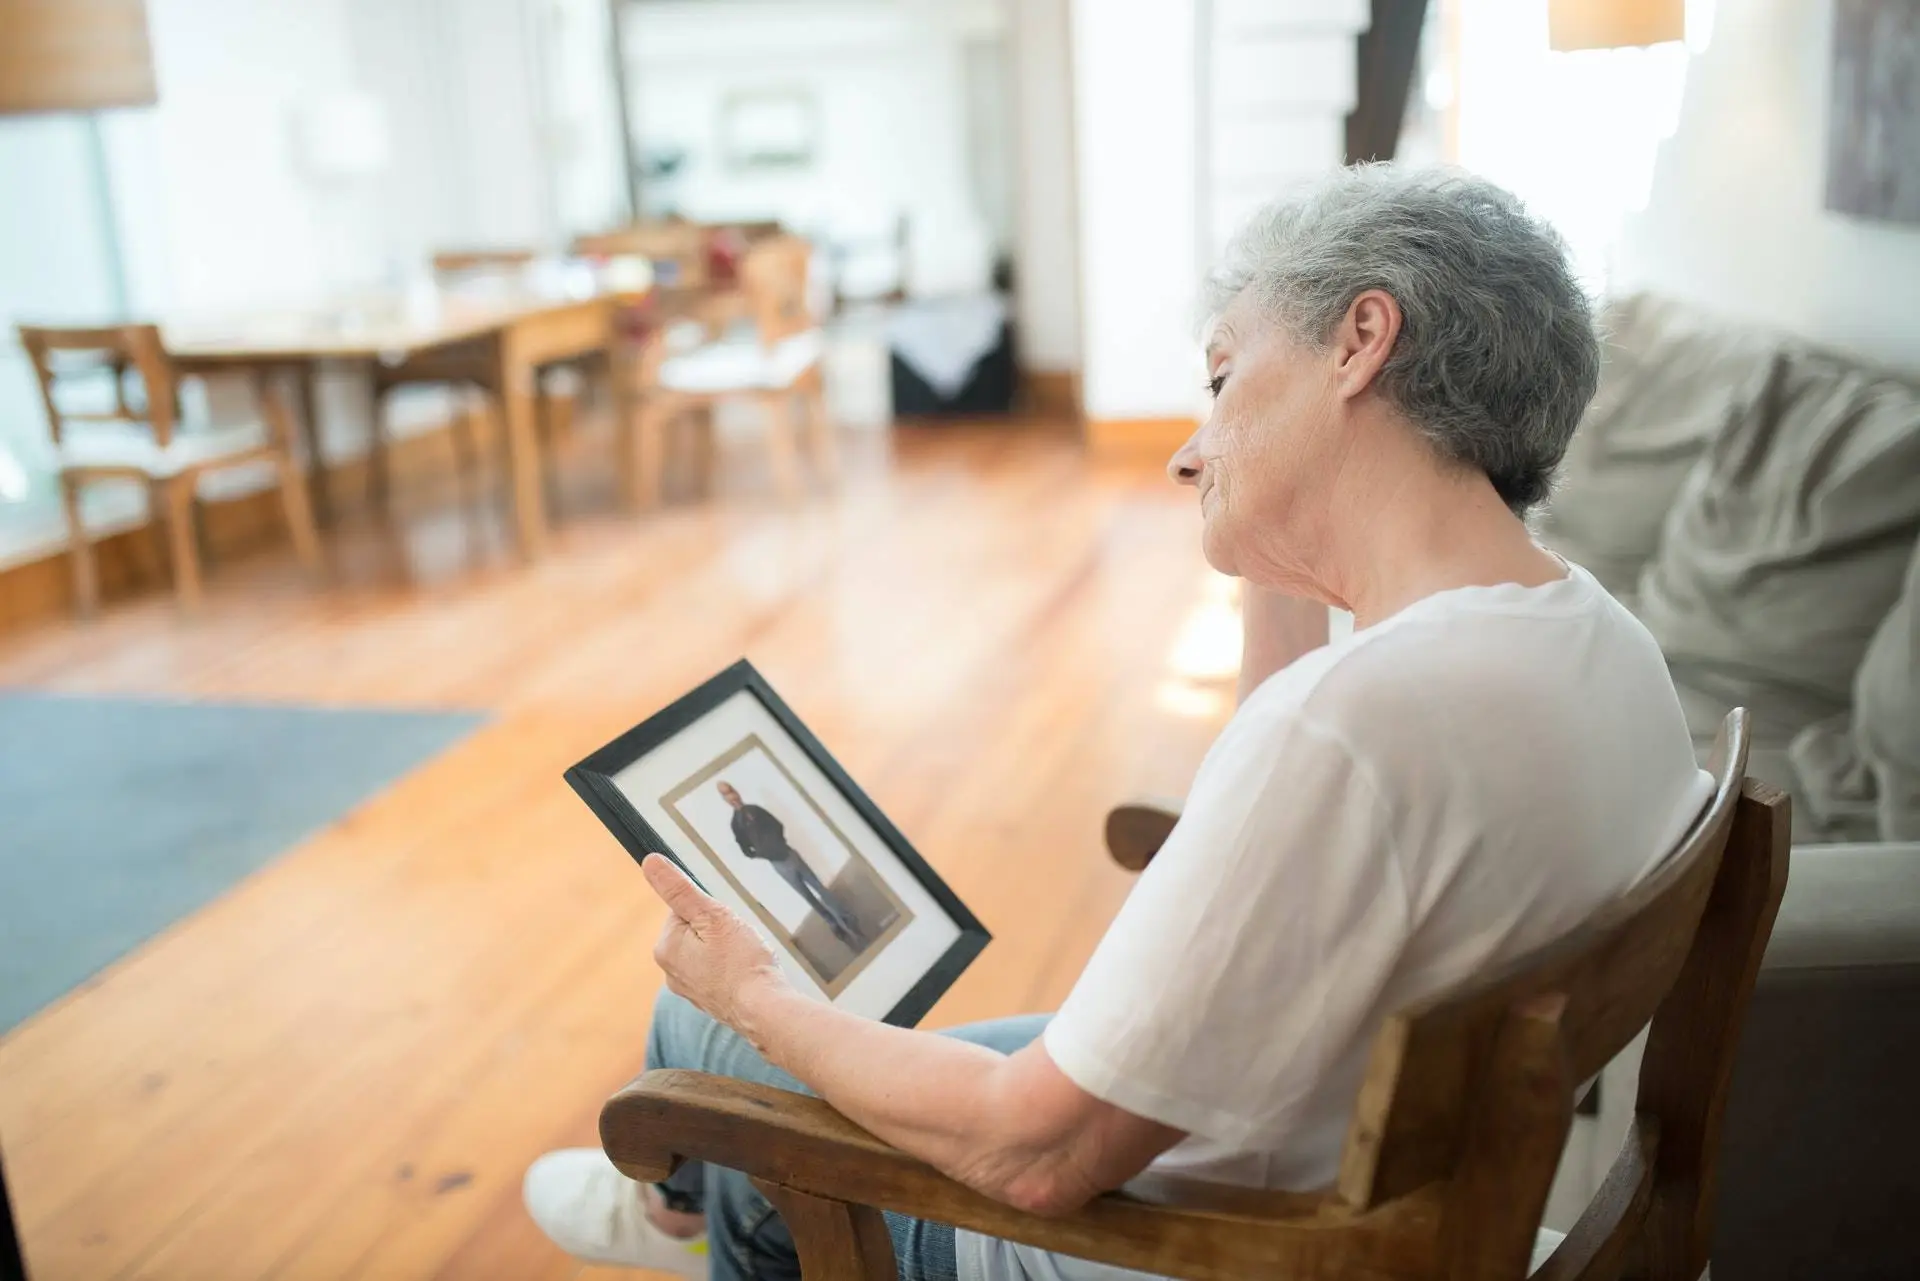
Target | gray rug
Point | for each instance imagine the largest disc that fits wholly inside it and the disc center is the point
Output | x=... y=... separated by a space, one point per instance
x=120 y=816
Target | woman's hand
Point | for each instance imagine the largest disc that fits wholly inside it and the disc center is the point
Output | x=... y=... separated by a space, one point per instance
x=709 y=955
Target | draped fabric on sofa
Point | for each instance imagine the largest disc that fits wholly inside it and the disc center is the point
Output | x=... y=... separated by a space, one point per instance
x=1757 y=502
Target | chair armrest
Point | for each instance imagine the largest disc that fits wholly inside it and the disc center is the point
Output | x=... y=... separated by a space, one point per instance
x=1157 y=1225
x=1137 y=830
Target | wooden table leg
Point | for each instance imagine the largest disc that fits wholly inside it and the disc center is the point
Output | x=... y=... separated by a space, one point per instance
x=310 y=435
x=514 y=375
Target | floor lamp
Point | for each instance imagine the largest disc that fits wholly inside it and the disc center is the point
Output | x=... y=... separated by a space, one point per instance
x=62 y=57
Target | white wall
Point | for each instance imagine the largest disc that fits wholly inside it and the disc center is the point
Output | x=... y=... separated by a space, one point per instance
x=54 y=268
x=1188 y=115
x=1277 y=80
x=889 y=82
x=223 y=216
x=1735 y=221
x=1133 y=114
x=462 y=85
x=583 y=117
x=1047 y=283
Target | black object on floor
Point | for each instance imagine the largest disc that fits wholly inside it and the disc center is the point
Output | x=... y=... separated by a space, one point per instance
x=987 y=391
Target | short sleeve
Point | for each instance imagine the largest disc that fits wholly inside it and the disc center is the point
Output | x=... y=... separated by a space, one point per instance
x=1254 y=945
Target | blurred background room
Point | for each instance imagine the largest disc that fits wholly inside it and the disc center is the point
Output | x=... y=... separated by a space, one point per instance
x=401 y=398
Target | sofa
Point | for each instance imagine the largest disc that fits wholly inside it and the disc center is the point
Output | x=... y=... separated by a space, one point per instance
x=1756 y=501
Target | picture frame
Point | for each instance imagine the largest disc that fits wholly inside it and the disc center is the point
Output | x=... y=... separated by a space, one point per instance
x=769 y=130
x=1873 y=114
x=731 y=785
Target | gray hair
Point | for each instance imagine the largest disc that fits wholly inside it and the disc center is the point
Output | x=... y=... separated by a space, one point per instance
x=1497 y=356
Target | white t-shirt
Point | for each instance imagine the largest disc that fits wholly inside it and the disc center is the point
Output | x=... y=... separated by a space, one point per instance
x=1387 y=815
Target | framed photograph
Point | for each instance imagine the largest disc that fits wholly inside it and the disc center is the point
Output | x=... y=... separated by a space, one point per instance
x=1873 y=121
x=769 y=129
x=731 y=786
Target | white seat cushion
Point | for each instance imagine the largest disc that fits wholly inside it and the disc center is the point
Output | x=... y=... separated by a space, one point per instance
x=131 y=446
x=743 y=366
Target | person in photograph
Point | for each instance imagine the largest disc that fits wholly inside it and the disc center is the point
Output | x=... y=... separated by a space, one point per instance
x=1398 y=359
x=762 y=836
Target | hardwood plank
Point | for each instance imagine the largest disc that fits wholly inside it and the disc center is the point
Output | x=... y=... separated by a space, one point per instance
x=343 y=1066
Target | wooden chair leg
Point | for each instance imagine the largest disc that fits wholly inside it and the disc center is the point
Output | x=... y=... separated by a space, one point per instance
x=547 y=437
x=177 y=497
x=626 y=445
x=706 y=450
x=837 y=1241
x=379 y=462
x=86 y=579
x=821 y=438
x=781 y=446
x=293 y=502
x=466 y=436
x=647 y=453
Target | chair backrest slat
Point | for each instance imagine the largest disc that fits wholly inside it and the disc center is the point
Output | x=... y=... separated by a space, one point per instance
x=676 y=241
x=116 y=349
x=457 y=263
x=774 y=275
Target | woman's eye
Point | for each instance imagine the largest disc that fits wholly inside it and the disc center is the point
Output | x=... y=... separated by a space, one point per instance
x=1215 y=383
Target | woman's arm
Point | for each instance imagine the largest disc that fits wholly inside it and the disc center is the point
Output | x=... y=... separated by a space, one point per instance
x=1012 y=1127
x=1275 y=630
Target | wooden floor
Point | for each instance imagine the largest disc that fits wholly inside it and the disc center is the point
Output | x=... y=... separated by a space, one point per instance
x=341 y=1069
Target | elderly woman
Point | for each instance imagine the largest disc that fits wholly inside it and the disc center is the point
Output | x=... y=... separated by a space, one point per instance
x=1397 y=360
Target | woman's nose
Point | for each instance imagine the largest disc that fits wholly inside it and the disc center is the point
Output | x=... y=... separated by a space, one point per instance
x=1184 y=466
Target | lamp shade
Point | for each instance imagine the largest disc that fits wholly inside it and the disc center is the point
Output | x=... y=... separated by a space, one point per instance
x=74 y=55
x=1613 y=24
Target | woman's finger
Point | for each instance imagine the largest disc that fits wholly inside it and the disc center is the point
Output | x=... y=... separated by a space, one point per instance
x=675 y=888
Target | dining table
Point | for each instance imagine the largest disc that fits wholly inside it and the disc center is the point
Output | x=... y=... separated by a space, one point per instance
x=498 y=338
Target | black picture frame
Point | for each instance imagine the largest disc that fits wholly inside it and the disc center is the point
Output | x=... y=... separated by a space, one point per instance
x=593 y=780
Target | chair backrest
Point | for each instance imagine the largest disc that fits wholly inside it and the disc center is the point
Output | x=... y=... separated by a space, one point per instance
x=774 y=276
x=467 y=262
x=1471 y=1092
x=674 y=240
x=71 y=355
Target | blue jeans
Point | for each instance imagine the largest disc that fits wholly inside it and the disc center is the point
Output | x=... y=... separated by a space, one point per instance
x=747 y=1240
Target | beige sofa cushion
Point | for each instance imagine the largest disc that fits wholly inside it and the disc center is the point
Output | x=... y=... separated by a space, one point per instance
x=1886 y=711
x=1673 y=380
x=1790 y=539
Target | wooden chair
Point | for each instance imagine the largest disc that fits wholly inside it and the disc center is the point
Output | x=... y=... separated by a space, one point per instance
x=676 y=247
x=777 y=366
x=475 y=404
x=452 y=263
x=1456 y=1132
x=146 y=441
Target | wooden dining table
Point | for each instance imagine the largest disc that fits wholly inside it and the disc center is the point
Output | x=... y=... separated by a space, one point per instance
x=499 y=339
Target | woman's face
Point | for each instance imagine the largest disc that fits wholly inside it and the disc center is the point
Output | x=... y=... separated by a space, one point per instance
x=1265 y=453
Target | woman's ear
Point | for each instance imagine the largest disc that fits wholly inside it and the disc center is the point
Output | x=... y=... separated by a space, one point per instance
x=1365 y=340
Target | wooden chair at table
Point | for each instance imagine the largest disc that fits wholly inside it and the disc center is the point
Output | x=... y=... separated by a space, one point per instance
x=147 y=441
x=777 y=366
x=676 y=247
x=451 y=264
x=1459 y=1123
x=475 y=404
x=457 y=268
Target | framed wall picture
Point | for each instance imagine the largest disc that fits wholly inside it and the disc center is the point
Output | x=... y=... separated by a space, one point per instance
x=1873 y=122
x=763 y=129
x=730 y=785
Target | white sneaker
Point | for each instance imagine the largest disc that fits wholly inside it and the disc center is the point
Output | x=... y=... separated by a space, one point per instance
x=595 y=1213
